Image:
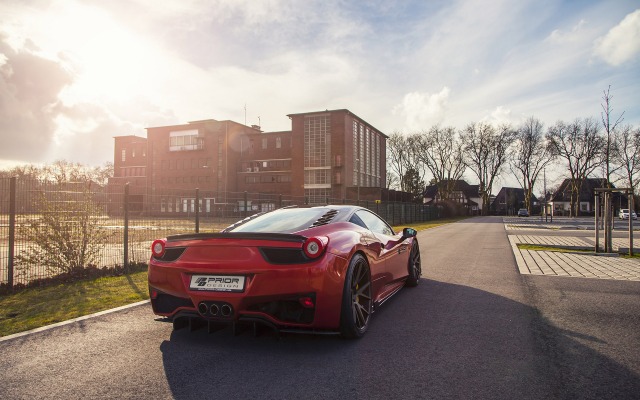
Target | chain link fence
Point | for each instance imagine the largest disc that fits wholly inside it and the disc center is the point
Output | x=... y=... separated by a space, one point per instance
x=48 y=229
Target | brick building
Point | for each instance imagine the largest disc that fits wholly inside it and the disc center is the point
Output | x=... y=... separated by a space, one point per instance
x=330 y=154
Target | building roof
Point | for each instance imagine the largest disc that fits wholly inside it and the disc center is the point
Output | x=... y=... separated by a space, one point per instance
x=514 y=193
x=459 y=185
x=338 y=110
x=563 y=194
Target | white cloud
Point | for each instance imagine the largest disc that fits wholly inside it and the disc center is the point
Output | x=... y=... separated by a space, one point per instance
x=423 y=110
x=560 y=36
x=622 y=42
x=114 y=68
x=501 y=115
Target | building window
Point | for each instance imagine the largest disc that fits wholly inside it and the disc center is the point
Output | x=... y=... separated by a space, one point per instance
x=317 y=152
x=317 y=196
x=367 y=152
x=185 y=140
x=278 y=142
x=124 y=155
x=361 y=156
x=377 y=160
x=356 y=141
x=264 y=143
x=317 y=177
x=317 y=142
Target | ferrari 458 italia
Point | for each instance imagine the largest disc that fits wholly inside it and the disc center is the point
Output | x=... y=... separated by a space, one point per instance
x=317 y=270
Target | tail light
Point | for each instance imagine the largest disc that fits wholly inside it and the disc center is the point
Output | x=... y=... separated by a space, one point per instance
x=158 y=248
x=314 y=247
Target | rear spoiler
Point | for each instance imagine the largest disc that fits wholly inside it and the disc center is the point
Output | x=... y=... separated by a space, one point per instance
x=283 y=237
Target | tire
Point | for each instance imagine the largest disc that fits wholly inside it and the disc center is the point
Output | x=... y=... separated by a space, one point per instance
x=415 y=266
x=357 y=303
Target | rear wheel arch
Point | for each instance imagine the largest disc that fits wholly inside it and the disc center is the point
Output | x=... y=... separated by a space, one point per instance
x=357 y=299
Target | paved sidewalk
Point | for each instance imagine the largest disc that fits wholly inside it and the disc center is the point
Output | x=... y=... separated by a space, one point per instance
x=533 y=262
x=571 y=264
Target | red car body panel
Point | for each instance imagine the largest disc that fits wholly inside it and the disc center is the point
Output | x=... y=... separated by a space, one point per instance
x=268 y=283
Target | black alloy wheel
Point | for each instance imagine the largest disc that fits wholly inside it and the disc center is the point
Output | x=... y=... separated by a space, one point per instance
x=415 y=266
x=357 y=304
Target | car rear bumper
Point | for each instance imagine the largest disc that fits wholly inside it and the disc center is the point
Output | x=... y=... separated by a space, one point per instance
x=278 y=295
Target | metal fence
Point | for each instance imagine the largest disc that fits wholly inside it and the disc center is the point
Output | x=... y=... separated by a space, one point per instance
x=47 y=229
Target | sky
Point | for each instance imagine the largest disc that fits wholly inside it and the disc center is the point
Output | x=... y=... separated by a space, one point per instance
x=74 y=74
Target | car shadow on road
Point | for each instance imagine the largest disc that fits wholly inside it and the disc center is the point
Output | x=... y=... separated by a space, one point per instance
x=438 y=340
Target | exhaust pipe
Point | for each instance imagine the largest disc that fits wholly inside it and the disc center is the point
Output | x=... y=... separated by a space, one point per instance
x=226 y=310
x=214 y=309
x=203 y=308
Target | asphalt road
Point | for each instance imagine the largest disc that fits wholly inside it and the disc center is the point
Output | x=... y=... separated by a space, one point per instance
x=474 y=328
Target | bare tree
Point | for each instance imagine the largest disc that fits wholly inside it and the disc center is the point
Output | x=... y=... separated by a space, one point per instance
x=398 y=156
x=609 y=130
x=28 y=171
x=415 y=165
x=440 y=151
x=627 y=154
x=101 y=174
x=530 y=155
x=485 y=152
x=581 y=146
x=393 y=182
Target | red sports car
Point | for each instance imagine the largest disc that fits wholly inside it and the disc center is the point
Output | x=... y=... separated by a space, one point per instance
x=317 y=270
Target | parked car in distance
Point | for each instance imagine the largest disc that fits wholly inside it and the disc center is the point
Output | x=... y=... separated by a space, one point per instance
x=624 y=214
x=523 y=212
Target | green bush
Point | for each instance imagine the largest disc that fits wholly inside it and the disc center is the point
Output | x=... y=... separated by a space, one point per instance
x=67 y=237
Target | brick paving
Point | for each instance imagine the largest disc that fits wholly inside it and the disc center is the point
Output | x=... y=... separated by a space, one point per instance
x=572 y=264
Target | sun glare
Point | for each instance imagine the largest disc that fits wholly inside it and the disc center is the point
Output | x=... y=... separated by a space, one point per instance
x=108 y=61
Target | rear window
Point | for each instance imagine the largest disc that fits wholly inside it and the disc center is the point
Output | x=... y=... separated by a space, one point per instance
x=283 y=221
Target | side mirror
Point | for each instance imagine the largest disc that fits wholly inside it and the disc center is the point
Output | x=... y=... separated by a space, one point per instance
x=408 y=233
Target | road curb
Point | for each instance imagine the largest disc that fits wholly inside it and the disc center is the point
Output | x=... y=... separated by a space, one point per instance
x=71 y=321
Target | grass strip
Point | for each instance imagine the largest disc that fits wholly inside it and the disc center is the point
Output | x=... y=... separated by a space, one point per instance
x=40 y=306
x=429 y=224
x=537 y=247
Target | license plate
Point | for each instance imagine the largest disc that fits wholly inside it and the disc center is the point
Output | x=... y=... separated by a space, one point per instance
x=217 y=283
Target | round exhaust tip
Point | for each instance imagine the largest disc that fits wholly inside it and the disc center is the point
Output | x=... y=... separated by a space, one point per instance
x=203 y=308
x=226 y=310
x=214 y=309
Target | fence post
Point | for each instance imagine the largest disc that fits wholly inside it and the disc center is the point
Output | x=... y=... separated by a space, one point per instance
x=197 y=210
x=393 y=213
x=12 y=229
x=280 y=201
x=125 y=261
x=631 y=210
x=245 y=204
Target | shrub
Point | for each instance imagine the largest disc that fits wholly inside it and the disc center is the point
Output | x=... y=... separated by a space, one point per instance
x=67 y=236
